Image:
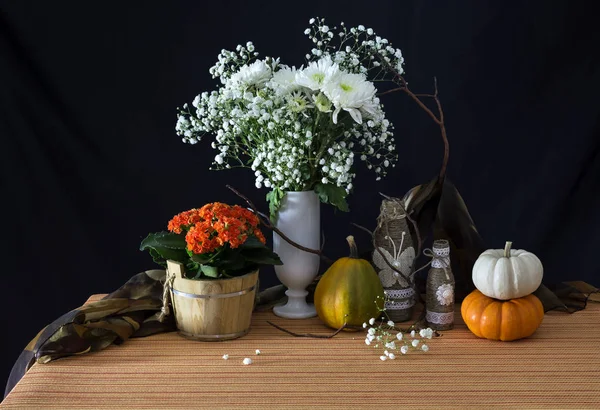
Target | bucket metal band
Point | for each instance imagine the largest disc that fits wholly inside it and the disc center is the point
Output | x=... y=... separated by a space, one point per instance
x=213 y=295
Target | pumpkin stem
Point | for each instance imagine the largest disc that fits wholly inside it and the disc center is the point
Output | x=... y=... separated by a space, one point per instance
x=507 y=249
x=353 y=248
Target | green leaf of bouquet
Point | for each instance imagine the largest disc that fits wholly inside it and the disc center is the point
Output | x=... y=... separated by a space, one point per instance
x=332 y=194
x=274 y=198
x=210 y=271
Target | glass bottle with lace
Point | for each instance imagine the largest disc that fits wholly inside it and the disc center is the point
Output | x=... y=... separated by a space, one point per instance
x=440 y=288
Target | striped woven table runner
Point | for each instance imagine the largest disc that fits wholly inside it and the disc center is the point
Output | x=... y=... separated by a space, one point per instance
x=558 y=367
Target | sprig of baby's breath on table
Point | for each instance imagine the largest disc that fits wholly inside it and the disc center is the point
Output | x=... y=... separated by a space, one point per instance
x=383 y=334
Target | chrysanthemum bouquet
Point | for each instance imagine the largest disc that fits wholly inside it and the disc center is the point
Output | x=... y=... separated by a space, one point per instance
x=301 y=128
x=215 y=241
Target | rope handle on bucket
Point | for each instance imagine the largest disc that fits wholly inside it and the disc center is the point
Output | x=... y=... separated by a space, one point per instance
x=165 y=311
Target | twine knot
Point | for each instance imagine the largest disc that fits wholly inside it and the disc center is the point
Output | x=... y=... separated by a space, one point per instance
x=439 y=260
x=165 y=311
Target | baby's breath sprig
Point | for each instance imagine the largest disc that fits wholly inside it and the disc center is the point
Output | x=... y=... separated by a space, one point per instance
x=384 y=335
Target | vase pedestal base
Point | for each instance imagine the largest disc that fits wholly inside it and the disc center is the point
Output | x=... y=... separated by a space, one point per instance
x=296 y=306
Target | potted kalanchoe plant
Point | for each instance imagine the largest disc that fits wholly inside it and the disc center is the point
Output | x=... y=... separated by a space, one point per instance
x=212 y=255
x=302 y=131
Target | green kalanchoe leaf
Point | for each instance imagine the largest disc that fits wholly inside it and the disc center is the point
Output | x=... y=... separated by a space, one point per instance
x=210 y=271
x=165 y=245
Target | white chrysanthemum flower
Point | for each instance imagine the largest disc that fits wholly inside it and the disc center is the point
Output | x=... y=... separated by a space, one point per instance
x=350 y=92
x=317 y=74
x=298 y=102
x=257 y=74
x=322 y=102
x=284 y=81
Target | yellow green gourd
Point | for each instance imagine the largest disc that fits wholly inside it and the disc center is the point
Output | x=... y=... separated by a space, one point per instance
x=348 y=291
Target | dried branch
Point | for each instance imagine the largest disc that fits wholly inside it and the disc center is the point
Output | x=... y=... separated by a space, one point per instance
x=266 y=221
x=438 y=119
x=344 y=326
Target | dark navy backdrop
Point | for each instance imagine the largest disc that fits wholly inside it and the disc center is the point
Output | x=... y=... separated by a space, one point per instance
x=90 y=161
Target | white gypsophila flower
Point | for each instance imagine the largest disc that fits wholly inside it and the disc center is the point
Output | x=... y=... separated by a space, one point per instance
x=415 y=342
x=413 y=333
x=404 y=349
x=257 y=352
x=247 y=361
x=425 y=348
x=383 y=358
x=225 y=356
x=371 y=331
x=390 y=323
x=317 y=74
x=365 y=325
x=399 y=336
x=284 y=80
x=426 y=333
x=445 y=294
x=367 y=341
x=255 y=74
x=392 y=356
x=372 y=321
x=349 y=92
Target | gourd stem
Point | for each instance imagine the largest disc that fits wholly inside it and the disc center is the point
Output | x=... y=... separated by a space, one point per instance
x=507 y=249
x=353 y=248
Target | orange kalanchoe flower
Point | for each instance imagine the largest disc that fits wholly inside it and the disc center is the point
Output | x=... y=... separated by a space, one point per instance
x=215 y=225
x=184 y=220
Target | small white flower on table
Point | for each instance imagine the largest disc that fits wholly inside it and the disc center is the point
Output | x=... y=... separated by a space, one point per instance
x=247 y=361
x=225 y=356
x=257 y=352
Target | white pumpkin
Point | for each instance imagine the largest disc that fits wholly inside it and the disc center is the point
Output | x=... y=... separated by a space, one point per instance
x=507 y=274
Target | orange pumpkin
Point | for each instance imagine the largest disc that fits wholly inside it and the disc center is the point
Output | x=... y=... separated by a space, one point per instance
x=504 y=320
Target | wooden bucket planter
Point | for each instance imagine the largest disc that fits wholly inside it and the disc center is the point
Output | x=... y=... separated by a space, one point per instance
x=212 y=310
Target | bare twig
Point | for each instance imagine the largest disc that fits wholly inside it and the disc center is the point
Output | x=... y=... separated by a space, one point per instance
x=345 y=326
x=266 y=221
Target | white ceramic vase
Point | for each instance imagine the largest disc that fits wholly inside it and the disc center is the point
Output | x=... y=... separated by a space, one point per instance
x=299 y=219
